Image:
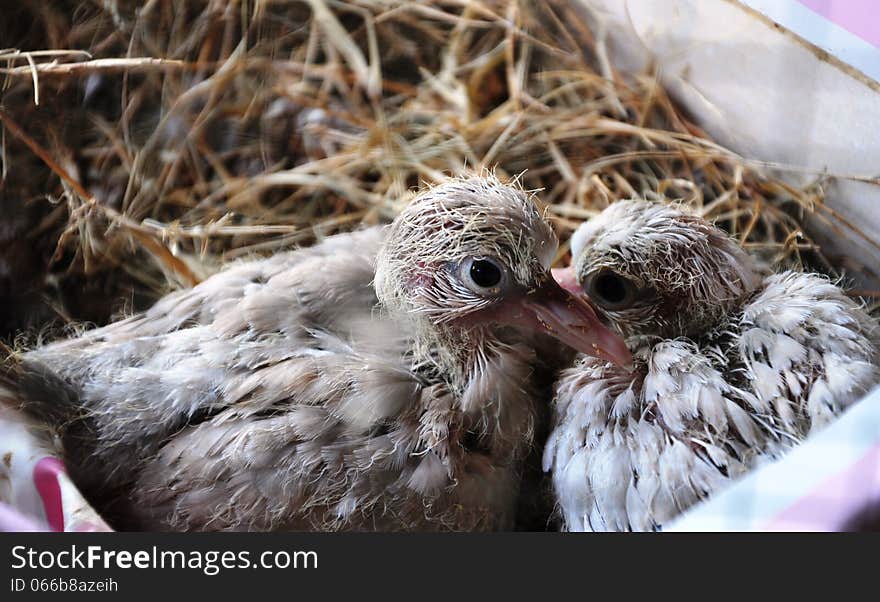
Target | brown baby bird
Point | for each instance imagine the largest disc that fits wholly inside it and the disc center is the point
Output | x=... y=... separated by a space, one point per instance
x=380 y=380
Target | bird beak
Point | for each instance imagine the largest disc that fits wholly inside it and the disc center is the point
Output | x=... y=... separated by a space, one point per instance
x=550 y=309
x=566 y=278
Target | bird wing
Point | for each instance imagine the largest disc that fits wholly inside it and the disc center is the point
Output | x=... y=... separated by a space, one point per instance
x=306 y=433
x=807 y=350
x=347 y=439
x=333 y=279
x=253 y=335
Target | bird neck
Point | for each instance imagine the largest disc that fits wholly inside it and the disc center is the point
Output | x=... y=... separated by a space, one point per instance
x=453 y=353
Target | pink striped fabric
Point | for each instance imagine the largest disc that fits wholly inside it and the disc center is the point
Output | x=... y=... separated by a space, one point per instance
x=859 y=17
x=838 y=502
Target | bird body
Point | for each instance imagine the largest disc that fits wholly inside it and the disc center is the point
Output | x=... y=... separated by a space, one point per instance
x=732 y=369
x=366 y=383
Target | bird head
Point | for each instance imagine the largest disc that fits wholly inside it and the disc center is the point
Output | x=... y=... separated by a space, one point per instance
x=472 y=253
x=655 y=269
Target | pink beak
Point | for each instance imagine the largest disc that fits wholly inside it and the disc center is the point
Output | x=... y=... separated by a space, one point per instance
x=565 y=277
x=568 y=318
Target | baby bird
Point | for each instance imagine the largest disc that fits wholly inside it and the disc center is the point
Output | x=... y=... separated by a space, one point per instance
x=380 y=380
x=731 y=368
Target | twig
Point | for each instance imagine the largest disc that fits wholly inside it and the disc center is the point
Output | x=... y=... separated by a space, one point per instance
x=141 y=234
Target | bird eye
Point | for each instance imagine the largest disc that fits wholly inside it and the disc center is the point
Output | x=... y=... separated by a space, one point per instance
x=610 y=290
x=483 y=275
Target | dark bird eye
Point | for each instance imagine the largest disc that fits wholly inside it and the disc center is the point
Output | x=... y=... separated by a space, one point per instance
x=483 y=275
x=610 y=290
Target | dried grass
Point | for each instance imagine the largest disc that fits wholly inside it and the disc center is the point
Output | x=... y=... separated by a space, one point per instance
x=149 y=142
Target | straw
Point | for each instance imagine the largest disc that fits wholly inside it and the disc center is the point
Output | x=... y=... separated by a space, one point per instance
x=175 y=136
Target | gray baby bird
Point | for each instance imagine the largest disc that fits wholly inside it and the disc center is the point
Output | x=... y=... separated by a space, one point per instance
x=732 y=368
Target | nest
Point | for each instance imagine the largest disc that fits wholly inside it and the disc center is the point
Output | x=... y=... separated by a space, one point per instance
x=147 y=143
